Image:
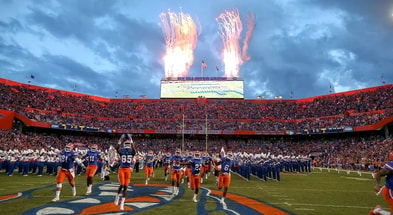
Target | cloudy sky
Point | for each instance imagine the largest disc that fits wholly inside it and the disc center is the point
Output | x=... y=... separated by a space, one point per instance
x=303 y=46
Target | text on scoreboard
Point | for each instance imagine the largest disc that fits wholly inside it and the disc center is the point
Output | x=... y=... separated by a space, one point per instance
x=205 y=88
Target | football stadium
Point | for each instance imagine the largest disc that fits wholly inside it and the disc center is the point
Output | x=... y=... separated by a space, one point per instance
x=214 y=137
x=305 y=156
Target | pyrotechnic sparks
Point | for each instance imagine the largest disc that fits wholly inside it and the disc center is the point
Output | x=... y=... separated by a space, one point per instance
x=250 y=29
x=181 y=38
x=230 y=28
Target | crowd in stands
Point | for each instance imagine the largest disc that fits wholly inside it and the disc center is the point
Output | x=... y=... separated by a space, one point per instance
x=325 y=151
x=363 y=107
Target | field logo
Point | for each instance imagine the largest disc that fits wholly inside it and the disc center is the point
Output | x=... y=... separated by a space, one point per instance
x=237 y=205
x=9 y=197
x=145 y=197
x=140 y=198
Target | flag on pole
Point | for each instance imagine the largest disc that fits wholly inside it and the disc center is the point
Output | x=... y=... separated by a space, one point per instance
x=217 y=71
x=31 y=77
x=74 y=89
x=204 y=65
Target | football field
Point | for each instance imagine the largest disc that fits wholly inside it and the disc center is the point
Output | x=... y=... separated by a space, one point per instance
x=322 y=192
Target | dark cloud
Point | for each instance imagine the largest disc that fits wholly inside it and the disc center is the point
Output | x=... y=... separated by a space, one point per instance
x=299 y=46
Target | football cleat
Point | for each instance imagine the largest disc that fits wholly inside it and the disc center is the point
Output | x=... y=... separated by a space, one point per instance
x=376 y=210
x=88 y=191
x=55 y=199
x=116 y=200
x=122 y=204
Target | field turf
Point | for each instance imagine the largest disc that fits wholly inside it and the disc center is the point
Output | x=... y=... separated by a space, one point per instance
x=322 y=192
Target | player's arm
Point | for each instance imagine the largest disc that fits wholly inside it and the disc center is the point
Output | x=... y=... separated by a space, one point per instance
x=132 y=145
x=218 y=160
x=378 y=176
x=121 y=140
x=170 y=163
x=79 y=161
x=101 y=157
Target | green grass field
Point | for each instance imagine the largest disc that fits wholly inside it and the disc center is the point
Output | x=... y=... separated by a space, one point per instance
x=318 y=193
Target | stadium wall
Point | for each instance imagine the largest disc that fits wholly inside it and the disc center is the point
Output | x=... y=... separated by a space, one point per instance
x=6 y=119
x=31 y=123
x=376 y=126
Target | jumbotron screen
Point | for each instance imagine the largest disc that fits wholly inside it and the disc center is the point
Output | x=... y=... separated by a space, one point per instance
x=208 y=87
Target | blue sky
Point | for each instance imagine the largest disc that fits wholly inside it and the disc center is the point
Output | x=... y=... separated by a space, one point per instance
x=303 y=46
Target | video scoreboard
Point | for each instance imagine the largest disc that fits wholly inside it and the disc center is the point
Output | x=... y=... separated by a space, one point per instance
x=207 y=87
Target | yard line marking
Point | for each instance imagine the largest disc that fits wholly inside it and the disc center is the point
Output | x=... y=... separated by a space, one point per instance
x=357 y=178
x=305 y=209
x=313 y=190
x=319 y=205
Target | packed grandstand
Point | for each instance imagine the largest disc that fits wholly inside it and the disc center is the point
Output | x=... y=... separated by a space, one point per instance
x=349 y=130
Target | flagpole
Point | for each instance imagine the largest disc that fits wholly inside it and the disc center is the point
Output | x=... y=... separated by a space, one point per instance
x=182 y=136
x=206 y=133
x=203 y=67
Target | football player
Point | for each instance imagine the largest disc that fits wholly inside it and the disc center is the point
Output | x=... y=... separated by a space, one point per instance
x=224 y=178
x=387 y=189
x=195 y=176
x=176 y=164
x=92 y=156
x=127 y=153
x=149 y=162
x=66 y=169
